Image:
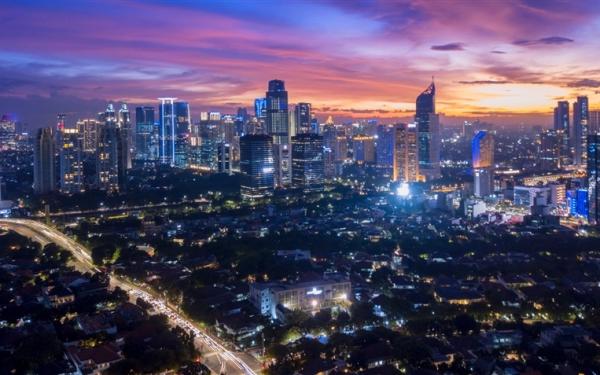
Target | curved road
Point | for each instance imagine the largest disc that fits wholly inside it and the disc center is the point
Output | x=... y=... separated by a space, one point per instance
x=218 y=358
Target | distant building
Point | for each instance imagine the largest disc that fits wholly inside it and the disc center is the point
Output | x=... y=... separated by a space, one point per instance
x=256 y=166
x=111 y=154
x=307 y=162
x=526 y=195
x=550 y=143
x=593 y=178
x=145 y=137
x=44 y=179
x=174 y=132
x=482 y=149
x=580 y=129
x=562 y=128
x=7 y=133
x=272 y=298
x=428 y=128
x=385 y=146
x=224 y=158
x=363 y=149
x=71 y=161
x=406 y=153
x=302 y=117
x=277 y=123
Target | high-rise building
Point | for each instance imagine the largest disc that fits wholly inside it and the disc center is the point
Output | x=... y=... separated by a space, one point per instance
x=549 y=147
x=563 y=130
x=256 y=166
x=71 y=161
x=363 y=149
x=124 y=121
x=406 y=154
x=307 y=162
x=224 y=158
x=302 y=116
x=593 y=177
x=111 y=154
x=44 y=179
x=482 y=147
x=144 y=134
x=428 y=128
x=174 y=132
x=7 y=133
x=594 y=122
x=60 y=121
x=580 y=129
x=385 y=145
x=277 y=123
x=88 y=130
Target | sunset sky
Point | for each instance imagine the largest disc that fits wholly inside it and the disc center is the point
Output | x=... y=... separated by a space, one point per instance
x=507 y=60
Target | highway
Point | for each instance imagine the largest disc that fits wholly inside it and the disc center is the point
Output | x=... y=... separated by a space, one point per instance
x=219 y=359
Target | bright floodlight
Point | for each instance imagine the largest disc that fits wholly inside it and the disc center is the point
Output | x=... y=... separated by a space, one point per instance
x=403 y=190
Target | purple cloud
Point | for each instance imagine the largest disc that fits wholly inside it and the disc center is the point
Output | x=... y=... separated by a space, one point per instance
x=551 y=40
x=449 y=47
x=586 y=82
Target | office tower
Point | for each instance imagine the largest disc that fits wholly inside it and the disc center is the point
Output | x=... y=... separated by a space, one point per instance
x=594 y=122
x=593 y=177
x=256 y=166
x=315 y=128
x=44 y=180
x=260 y=108
x=111 y=154
x=60 y=121
x=363 y=149
x=70 y=145
x=174 y=132
x=467 y=130
x=406 y=153
x=277 y=123
x=549 y=147
x=144 y=133
x=428 y=128
x=482 y=148
x=7 y=133
x=224 y=158
x=563 y=129
x=302 y=115
x=307 y=162
x=88 y=130
x=385 y=146
x=329 y=146
x=580 y=130
x=124 y=123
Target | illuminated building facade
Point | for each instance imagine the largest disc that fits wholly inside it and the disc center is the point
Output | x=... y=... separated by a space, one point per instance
x=145 y=137
x=71 y=161
x=303 y=118
x=385 y=146
x=311 y=296
x=593 y=177
x=406 y=153
x=174 y=132
x=428 y=128
x=482 y=149
x=363 y=149
x=256 y=166
x=88 y=130
x=307 y=162
x=580 y=130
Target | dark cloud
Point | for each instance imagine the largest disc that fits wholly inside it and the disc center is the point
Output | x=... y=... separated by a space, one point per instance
x=449 y=47
x=498 y=52
x=586 y=82
x=484 y=82
x=551 y=40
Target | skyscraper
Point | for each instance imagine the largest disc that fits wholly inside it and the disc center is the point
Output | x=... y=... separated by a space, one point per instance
x=593 y=177
x=406 y=155
x=224 y=158
x=385 y=145
x=44 y=180
x=302 y=115
x=124 y=121
x=580 y=129
x=88 y=130
x=144 y=133
x=174 y=132
x=482 y=147
x=60 y=121
x=563 y=130
x=549 y=151
x=256 y=166
x=594 y=122
x=428 y=130
x=71 y=161
x=7 y=133
x=307 y=162
x=363 y=149
x=111 y=154
x=277 y=122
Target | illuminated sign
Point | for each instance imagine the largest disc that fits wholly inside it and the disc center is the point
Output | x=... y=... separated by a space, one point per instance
x=314 y=291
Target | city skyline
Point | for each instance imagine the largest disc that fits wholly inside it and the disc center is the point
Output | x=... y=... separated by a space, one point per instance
x=349 y=60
